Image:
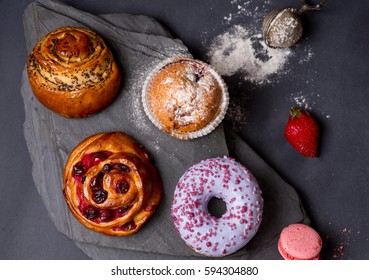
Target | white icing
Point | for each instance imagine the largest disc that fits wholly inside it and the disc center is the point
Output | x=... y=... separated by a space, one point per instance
x=230 y=181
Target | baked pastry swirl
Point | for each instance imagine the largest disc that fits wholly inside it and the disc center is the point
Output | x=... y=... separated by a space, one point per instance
x=110 y=184
x=72 y=72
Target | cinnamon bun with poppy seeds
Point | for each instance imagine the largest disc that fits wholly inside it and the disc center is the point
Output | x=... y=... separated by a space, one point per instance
x=72 y=72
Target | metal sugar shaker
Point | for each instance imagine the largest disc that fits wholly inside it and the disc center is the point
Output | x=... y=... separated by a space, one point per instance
x=282 y=28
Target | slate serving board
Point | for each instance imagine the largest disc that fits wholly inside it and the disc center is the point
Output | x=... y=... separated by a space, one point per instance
x=138 y=43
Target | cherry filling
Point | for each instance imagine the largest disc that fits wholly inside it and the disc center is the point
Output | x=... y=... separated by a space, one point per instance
x=122 y=186
x=87 y=161
x=99 y=195
x=126 y=227
x=79 y=169
x=106 y=215
x=96 y=184
x=121 y=167
x=91 y=212
x=129 y=226
x=195 y=73
x=122 y=211
x=200 y=72
x=106 y=168
x=97 y=157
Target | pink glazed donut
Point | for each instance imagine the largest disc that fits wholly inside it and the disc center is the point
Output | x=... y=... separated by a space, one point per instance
x=226 y=179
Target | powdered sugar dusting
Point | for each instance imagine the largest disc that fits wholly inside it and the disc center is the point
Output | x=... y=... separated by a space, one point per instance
x=302 y=101
x=308 y=102
x=188 y=96
x=308 y=54
x=136 y=109
x=236 y=113
x=242 y=50
x=241 y=8
x=283 y=31
x=240 y=53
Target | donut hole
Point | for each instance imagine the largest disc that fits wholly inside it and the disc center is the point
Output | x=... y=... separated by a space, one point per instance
x=217 y=207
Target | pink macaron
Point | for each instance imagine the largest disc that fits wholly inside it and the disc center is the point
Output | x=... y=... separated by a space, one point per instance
x=299 y=242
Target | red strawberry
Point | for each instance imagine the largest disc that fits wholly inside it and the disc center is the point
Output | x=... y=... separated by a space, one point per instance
x=302 y=132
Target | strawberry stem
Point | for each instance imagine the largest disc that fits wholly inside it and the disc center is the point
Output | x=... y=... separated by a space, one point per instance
x=295 y=112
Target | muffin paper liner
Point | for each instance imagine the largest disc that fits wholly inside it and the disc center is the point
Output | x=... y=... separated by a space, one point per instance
x=194 y=134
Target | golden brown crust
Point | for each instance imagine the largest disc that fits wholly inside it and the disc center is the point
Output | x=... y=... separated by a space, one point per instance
x=184 y=96
x=110 y=184
x=72 y=72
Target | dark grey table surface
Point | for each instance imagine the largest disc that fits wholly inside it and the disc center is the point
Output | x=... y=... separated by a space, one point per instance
x=326 y=73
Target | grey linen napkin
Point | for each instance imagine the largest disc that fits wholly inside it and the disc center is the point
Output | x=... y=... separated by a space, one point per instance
x=138 y=43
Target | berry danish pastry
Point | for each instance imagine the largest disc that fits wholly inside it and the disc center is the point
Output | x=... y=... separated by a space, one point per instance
x=110 y=184
x=72 y=72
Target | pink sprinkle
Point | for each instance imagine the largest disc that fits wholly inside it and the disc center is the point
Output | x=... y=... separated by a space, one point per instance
x=219 y=178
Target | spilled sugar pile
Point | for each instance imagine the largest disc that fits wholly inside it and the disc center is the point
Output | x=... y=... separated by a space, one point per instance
x=242 y=50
